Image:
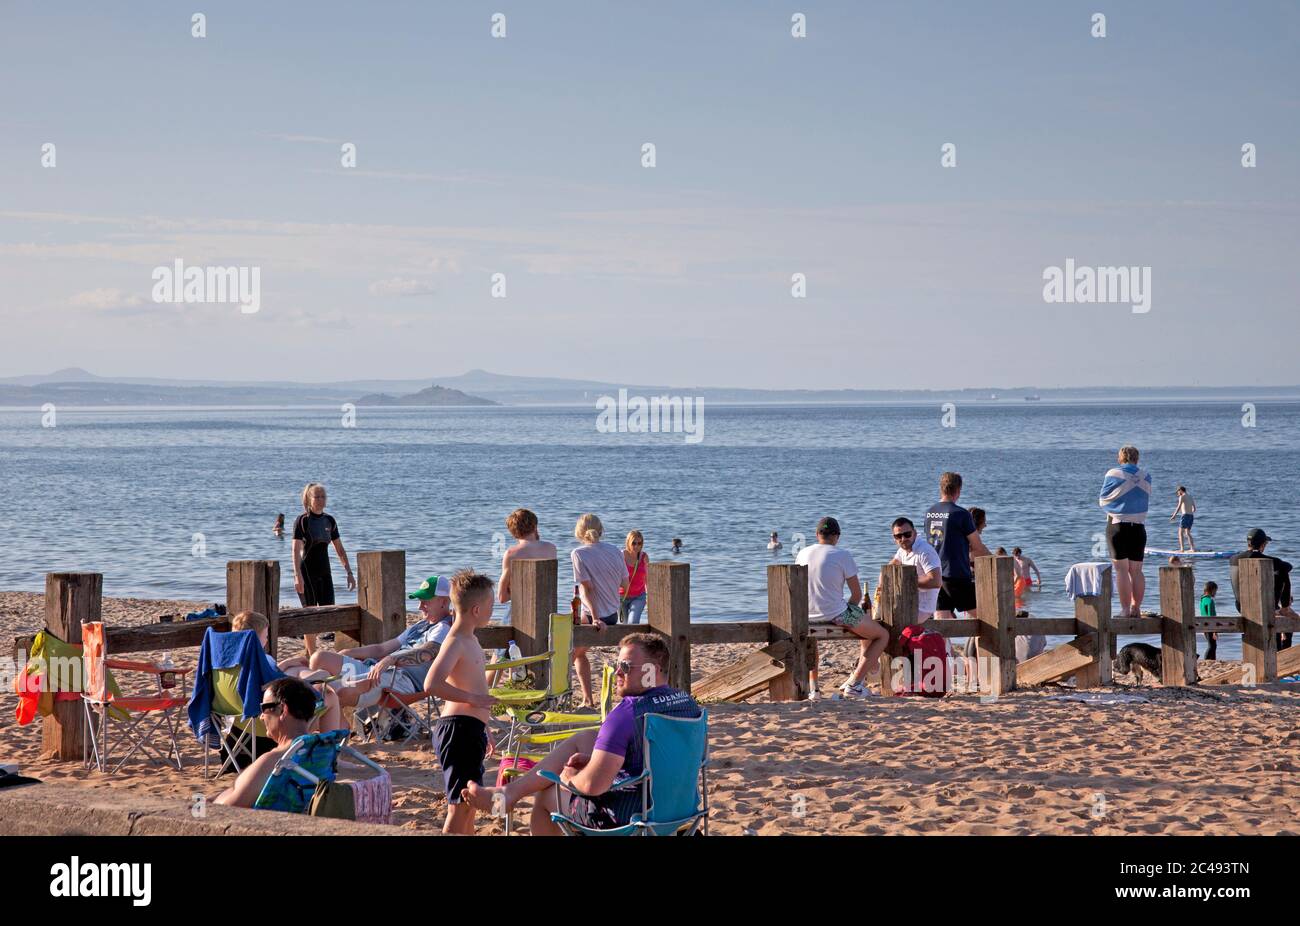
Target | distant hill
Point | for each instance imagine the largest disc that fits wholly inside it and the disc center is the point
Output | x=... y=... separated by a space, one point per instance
x=77 y=387
x=430 y=395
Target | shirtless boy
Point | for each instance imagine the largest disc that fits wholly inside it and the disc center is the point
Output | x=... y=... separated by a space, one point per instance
x=457 y=677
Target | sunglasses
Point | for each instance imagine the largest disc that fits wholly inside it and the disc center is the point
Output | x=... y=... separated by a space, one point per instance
x=623 y=667
x=904 y=535
x=268 y=706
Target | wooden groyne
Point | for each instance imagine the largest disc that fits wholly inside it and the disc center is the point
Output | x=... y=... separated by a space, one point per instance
x=781 y=666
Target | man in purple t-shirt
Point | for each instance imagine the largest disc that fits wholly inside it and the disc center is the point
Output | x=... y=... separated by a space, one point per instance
x=594 y=760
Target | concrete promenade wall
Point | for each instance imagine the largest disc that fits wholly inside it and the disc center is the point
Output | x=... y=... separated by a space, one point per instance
x=68 y=810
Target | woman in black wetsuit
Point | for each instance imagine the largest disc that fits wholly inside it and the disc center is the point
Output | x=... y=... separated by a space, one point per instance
x=313 y=533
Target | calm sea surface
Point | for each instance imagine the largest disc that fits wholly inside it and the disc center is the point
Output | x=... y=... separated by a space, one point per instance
x=125 y=491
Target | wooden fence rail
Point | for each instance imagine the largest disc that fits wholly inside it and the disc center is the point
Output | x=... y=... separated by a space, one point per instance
x=380 y=614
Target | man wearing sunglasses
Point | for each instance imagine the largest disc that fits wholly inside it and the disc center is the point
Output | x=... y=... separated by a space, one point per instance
x=288 y=705
x=916 y=551
x=594 y=760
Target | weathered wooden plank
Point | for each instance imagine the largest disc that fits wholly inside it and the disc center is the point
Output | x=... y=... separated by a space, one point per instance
x=1288 y=663
x=957 y=627
x=668 y=611
x=254 y=585
x=1177 y=627
x=731 y=632
x=534 y=590
x=589 y=636
x=340 y=618
x=1135 y=626
x=747 y=676
x=1285 y=623
x=498 y=636
x=381 y=597
x=996 y=607
x=1258 y=641
x=787 y=614
x=1093 y=614
x=898 y=610
x=1223 y=623
x=1046 y=626
x=71 y=599
x=1058 y=662
x=294 y=622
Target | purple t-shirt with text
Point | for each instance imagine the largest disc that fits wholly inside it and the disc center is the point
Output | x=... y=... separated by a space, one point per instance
x=619 y=727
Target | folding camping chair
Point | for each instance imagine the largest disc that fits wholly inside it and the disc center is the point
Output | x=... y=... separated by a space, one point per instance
x=674 y=783
x=397 y=716
x=234 y=734
x=311 y=759
x=546 y=728
x=147 y=716
x=520 y=703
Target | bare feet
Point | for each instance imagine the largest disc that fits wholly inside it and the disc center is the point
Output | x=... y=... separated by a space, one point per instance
x=481 y=798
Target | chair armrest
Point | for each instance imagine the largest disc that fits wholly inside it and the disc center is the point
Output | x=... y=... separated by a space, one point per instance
x=516 y=663
x=406 y=697
x=555 y=780
x=622 y=785
x=555 y=736
x=129 y=665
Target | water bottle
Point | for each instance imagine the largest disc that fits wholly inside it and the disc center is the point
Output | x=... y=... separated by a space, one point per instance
x=168 y=679
x=516 y=673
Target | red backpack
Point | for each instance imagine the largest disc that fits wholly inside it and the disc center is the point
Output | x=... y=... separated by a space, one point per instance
x=928 y=671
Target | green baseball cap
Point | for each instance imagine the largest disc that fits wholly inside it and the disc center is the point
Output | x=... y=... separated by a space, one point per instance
x=432 y=587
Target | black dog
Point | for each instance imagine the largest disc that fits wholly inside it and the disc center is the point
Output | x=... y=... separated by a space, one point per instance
x=1138 y=656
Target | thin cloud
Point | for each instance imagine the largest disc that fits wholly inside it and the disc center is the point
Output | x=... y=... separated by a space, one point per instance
x=306 y=139
x=406 y=175
x=105 y=299
x=400 y=287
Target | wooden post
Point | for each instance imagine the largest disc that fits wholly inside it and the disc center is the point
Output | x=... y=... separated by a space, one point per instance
x=534 y=586
x=995 y=604
x=1093 y=616
x=1258 y=643
x=71 y=599
x=1177 y=627
x=668 y=606
x=898 y=594
x=254 y=585
x=787 y=615
x=381 y=596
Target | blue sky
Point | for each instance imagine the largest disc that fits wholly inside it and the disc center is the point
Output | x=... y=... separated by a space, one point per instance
x=774 y=156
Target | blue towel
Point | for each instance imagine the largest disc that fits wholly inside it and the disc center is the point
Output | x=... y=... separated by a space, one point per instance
x=1126 y=493
x=224 y=651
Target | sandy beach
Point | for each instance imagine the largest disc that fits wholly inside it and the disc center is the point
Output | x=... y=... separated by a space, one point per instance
x=1216 y=760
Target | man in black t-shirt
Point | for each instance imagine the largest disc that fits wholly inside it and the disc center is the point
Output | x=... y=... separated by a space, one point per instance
x=951 y=531
x=1256 y=541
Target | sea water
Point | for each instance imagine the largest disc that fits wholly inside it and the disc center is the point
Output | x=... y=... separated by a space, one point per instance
x=159 y=499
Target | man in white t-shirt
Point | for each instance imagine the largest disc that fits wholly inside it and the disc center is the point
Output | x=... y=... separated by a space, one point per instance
x=830 y=569
x=914 y=550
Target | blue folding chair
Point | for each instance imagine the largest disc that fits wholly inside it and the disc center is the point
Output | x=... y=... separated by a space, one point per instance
x=674 y=784
x=311 y=759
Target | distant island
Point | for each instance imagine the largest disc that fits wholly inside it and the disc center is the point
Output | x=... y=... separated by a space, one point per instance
x=74 y=387
x=431 y=395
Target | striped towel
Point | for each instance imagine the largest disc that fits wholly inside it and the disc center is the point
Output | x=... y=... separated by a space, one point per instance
x=373 y=799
